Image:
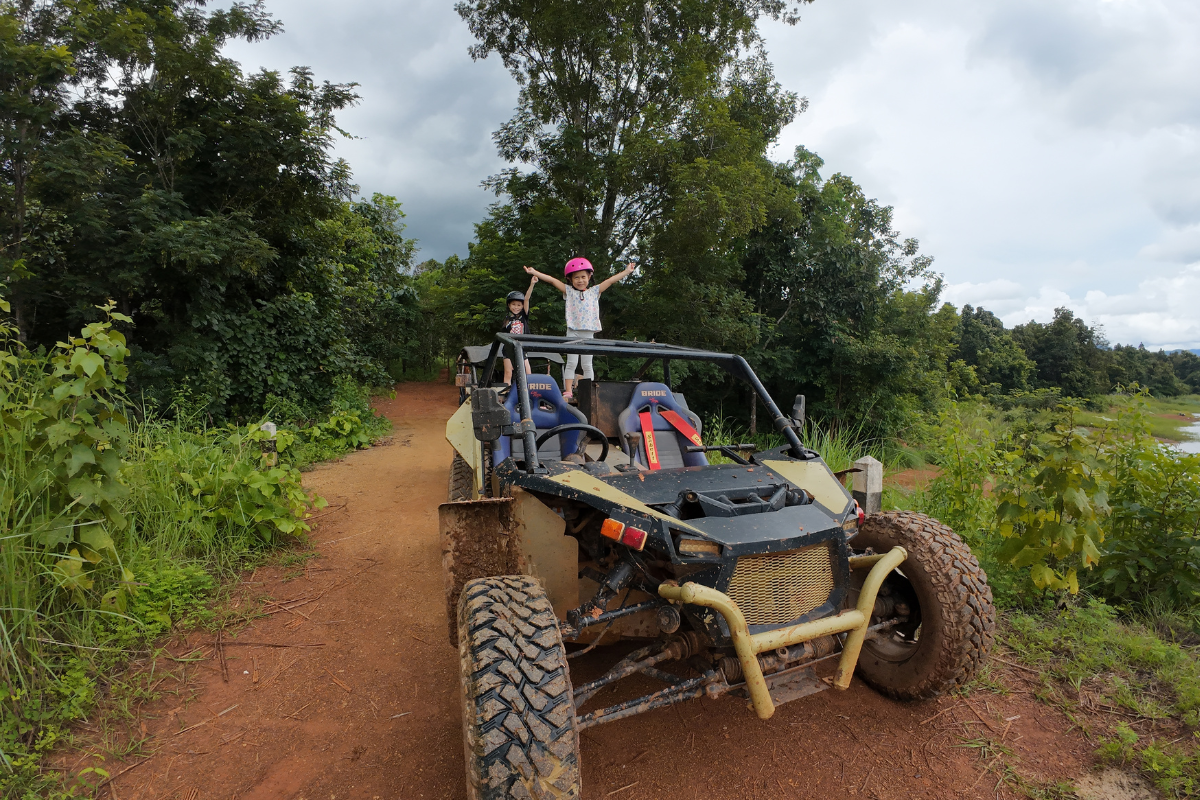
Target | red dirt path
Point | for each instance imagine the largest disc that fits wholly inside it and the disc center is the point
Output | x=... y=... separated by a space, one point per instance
x=373 y=712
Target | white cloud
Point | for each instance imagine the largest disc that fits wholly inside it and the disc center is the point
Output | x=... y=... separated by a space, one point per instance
x=427 y=112
x=1046 y=152
x=1050 y=145
x=1158 y=312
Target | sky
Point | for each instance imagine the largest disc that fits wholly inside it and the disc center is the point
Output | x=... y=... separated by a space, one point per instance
x=1046 y=153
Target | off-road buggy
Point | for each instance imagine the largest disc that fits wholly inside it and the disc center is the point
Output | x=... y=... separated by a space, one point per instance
x=759 y=577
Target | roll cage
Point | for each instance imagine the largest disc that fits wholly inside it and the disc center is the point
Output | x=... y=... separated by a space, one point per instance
x=514 y=347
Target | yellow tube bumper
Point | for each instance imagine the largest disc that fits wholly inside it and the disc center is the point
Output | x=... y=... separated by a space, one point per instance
x=748 y=646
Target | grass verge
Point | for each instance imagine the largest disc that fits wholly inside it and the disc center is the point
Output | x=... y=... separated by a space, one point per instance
x=1132 y=683
x=117 y=531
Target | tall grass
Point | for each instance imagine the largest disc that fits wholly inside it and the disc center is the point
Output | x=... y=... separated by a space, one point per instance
x=112 y=530
x=839 y=447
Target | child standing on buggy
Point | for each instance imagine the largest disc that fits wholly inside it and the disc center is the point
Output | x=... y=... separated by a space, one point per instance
x=583 y=310
x=517 y=321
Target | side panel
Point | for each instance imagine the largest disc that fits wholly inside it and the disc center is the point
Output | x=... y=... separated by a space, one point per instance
x=461 y=436
x=816 y=479
x=545 y=551
x=478 y=541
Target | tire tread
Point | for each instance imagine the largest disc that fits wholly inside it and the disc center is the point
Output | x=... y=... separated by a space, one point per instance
x=518 y=709
x=964 y=600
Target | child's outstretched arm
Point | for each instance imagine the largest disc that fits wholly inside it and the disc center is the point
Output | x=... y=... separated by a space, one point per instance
x=600 y=287
x=557 y=284
x=529 y=292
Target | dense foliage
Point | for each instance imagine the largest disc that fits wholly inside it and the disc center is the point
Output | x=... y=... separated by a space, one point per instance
x=107 y=525
x=1054 y=505
x=1065 y=355
x=142 y=166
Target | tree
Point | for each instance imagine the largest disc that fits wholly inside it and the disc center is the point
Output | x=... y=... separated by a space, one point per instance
x=847 y=311
x=985 y=345
x=205 y=203
x=35 y=65
x=1069 y=354
x=632 y=115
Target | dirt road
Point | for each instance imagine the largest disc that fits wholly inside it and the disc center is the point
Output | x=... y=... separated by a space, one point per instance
x=372 y=712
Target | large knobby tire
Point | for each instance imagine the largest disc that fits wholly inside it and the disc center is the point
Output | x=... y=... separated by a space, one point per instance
x=519 y=729
x=953 y=608
x=462 y=479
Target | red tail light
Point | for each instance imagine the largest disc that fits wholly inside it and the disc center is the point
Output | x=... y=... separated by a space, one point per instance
x=634 y=537
x=628 y=536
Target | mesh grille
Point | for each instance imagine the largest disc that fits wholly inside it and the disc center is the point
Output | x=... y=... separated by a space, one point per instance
x=775 y=588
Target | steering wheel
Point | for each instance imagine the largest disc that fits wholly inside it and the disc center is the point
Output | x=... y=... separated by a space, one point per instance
x=576 y=426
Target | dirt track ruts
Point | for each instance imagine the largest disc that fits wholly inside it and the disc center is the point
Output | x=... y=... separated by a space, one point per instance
x=374 y=713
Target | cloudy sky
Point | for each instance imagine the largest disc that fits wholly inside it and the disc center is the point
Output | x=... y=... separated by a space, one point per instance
x=1045 y=152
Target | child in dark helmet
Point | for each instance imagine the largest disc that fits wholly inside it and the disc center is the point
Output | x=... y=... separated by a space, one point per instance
x=517 y=321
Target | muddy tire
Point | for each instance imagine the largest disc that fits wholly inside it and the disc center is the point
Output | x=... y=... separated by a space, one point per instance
x=953 y=621
x=518 y=711
x=462 y=480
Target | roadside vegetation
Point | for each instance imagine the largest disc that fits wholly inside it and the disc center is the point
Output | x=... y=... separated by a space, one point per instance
x=216 y=267
x=1090 y=535
x=118 y=526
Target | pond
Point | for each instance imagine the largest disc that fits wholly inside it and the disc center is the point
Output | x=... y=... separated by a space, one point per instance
x=1192 y=443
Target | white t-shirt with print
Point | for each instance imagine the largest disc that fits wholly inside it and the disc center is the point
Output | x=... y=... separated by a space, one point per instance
x=583 y=309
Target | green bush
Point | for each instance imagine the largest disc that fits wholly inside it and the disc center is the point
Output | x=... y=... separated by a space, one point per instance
x=108 y=527
x=349 y=423
x=1049 y=504
x=1153 y=548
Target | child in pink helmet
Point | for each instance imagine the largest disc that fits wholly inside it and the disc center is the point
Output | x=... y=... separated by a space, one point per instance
x=583 y=310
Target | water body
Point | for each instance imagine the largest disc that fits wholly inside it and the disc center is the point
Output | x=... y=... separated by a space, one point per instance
x=1192 y=443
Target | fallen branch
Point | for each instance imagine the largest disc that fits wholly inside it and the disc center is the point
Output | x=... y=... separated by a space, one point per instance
x=326 y=513
x=338 y=682
x=273 y=644
x=862 y=788
x=1015 y=664
x=943 y=711
x=205 y=722
x=298 y=710
x=344 y=538
x=221 y=654
x=127 y=769
x=279 y=672
x=981 y=717
x=986 y=770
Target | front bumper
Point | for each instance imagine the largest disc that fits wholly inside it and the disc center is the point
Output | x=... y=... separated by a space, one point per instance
x=747 y=646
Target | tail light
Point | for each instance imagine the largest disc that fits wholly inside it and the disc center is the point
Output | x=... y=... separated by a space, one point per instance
x=625 y=534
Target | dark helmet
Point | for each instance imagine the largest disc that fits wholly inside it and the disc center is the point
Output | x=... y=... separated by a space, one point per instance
x=514 y=296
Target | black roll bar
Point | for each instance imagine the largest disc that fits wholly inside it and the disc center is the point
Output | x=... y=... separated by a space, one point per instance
x=514 y=349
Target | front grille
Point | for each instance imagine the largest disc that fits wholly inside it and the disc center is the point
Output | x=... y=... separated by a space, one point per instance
x=775 y=588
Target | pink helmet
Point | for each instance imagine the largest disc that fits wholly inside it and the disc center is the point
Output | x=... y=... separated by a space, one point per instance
x=576 y=264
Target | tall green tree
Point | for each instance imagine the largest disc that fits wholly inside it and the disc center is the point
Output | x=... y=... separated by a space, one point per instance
x=632 y=113
x=35 y=67
x=847 y=312
x=985 y=345
x=205 y=202
x=1069 y=354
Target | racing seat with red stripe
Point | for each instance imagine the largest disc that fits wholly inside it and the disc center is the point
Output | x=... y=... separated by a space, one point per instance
x=666 y=428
